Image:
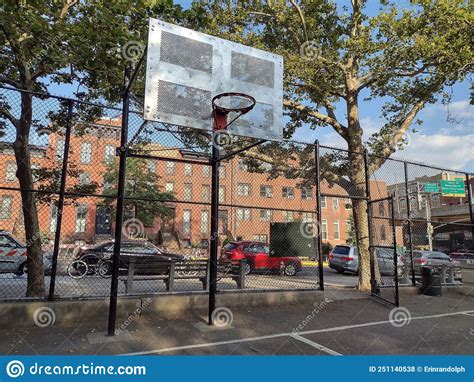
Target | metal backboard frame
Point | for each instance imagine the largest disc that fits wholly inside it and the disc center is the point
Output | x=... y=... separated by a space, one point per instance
x=185 y=69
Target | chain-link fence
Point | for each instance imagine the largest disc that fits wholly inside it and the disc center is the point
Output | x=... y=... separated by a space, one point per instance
x=283 y=206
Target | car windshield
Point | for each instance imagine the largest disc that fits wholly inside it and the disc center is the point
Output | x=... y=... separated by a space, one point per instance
x=230 y=246
x=341 y=249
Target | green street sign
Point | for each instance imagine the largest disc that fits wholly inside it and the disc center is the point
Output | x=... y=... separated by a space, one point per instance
x=453 y=188
x=431 y=187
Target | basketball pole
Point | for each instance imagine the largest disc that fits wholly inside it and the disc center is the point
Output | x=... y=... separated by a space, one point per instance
x=219 y=124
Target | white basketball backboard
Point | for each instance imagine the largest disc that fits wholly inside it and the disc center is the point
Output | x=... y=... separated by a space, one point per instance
x=185 y=69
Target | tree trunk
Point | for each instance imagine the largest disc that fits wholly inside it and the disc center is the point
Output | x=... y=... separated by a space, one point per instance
x=35 y=286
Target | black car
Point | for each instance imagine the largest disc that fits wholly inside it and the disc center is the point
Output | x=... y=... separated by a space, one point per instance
x=142 y=251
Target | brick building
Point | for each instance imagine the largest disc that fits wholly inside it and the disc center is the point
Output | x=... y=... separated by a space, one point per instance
x=249 y=201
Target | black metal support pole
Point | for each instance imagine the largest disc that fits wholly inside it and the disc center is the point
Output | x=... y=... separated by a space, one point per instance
x=214 y=227
x=122 y=152
x=469 y=200
x=319 y=237
x=395 y=255
x=59 y=211
x=410 y=227
x=373 y=283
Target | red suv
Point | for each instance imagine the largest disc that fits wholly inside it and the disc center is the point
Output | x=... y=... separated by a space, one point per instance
x=259 y=259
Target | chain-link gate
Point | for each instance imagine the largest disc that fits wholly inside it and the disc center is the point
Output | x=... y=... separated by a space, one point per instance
x=385 y=268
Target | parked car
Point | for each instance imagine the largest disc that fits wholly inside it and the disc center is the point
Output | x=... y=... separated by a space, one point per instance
x=432 y=259
x=345 y=258
x=13 y=255
x=142 y=251
x=257 y=256
x=462 y=254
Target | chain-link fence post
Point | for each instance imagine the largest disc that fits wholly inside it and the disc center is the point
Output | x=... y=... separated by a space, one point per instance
x=319 y=217
x=120 y=203
x=410 y=228
x=62 y=190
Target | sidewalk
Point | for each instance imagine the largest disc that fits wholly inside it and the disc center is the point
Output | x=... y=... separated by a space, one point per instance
x=347 y=322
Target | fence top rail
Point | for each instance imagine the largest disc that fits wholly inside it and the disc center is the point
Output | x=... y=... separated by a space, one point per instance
x=394 y=159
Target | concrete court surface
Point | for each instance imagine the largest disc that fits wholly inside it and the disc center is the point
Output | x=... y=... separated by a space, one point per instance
x=347 y=323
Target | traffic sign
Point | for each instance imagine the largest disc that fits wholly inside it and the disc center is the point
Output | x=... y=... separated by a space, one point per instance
x=453 y=188
x=431 y=187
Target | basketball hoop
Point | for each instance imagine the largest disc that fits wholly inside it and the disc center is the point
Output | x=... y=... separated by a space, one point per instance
x=225 y=103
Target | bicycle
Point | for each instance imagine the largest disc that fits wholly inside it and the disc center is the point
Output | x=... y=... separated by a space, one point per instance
x=79 y=268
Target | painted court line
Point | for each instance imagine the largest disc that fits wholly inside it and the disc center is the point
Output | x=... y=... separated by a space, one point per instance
x=314 y=344
x=279 y=335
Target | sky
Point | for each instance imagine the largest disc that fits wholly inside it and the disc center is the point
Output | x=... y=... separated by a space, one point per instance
x=446 y=137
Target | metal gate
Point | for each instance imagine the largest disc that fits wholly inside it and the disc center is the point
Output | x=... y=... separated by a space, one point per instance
x=385 y=267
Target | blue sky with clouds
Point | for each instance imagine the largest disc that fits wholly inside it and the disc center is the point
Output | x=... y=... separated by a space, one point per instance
x=446 y=137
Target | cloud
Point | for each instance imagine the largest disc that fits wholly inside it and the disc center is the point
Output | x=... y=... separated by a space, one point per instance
x=446 y=151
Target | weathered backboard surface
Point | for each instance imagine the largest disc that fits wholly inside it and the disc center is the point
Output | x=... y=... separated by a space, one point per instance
x=186 y=69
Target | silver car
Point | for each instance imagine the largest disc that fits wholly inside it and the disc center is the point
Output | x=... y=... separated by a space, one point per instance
x=433 y=259
x=345 y=258
x=13 y=255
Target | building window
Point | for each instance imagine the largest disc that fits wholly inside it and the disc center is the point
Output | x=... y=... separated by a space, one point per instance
x=109 y=154
x=288 y=216
x=188 y=191
x=206 y=193
x=243 y=189
x=169 y=187
x=335 y=203
x=205 y=222
x=10 y=172
x=288 y=192
x=60 y=150
x=383 y=233
x=151 y=164
x=84 y=179
x=243 y=214
x=7 y=204
x=260 y=238
x=242 y=166
x=266 y=215
x=54 y=218
x=403 y=204
x=86 y=152
x=337 y=235
x=324 y=202
x=348 y=203
x=306 y=193
x=81 y=215
x=188 y=169
x=206 y=171
x=324 y=229
x=381 y=209
x=169 y=168
x=306 y=217
x=186 y=222
x=266 y=191
x=221 y=194
x=222 y=171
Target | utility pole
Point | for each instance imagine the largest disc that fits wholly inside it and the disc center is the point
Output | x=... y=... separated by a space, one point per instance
x=429 y=227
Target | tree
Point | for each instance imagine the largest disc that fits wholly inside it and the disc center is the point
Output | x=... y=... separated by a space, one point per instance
x=65 y=42
x=142 y=185
x=336 y=58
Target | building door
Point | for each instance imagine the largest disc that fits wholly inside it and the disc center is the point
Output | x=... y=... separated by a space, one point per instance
x=103 y=220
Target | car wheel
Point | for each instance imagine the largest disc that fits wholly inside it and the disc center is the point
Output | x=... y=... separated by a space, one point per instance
x=248 y=268
x=290 y=269
x=22 y=269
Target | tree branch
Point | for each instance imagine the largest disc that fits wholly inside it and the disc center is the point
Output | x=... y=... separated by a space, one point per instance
x=332 y=121
x=301 y=16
